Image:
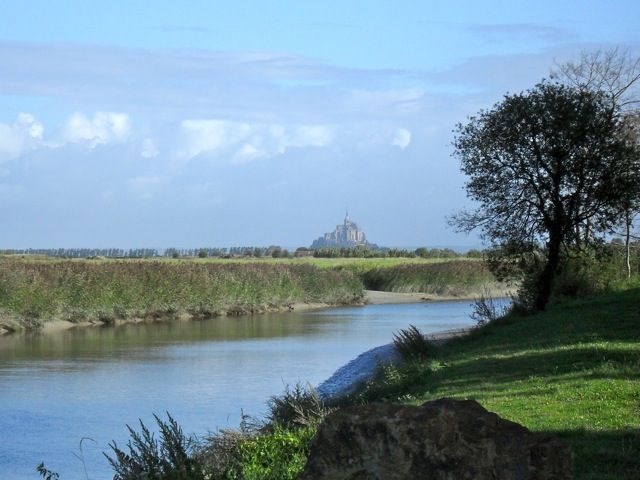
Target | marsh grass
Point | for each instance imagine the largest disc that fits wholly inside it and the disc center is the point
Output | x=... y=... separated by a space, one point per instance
x=454 y=277
x=33 y=292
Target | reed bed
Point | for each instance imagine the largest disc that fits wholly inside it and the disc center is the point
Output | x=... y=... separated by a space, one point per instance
x=34 y=292
x=453 y=278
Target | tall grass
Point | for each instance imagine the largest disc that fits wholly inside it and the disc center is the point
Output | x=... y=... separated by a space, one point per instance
x=457 y=277
x=33 y=292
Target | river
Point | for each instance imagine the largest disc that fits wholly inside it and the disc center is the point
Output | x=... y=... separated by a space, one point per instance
x=58 y=388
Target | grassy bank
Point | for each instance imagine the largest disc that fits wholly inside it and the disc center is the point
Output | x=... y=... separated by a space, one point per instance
x=573 y=371
x=36 y=291
x=447 y=278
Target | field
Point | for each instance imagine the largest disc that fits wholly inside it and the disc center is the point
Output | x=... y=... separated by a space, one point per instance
x=573 y=371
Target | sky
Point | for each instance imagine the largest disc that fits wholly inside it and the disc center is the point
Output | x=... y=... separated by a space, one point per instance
x=198 y=123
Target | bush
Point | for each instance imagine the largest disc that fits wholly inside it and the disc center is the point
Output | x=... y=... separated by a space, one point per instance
x=170 y=458
x=278 y=455
x=412 y=344
x=486 y=310
x=297 y=407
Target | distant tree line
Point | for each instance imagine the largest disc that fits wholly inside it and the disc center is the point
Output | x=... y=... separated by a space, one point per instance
x=364 y=252
x=273 y=251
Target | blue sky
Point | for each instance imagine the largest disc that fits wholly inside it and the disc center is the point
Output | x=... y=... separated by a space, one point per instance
x=255 y=123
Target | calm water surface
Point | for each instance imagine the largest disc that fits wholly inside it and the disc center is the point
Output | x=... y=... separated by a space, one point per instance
x=56 y=389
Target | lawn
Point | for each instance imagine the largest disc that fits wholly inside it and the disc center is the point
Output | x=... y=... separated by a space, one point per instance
x=573 y=371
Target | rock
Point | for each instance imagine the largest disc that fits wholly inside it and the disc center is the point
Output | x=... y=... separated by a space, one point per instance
x=441 y=440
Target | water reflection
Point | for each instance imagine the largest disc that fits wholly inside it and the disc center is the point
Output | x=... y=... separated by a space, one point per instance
x=88 y=382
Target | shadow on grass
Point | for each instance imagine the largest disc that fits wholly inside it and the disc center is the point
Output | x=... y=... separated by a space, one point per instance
x=604 y=455
x=580 y=362
x=604 y=318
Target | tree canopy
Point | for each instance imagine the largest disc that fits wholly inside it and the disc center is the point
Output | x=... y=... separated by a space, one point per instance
x=545 y=166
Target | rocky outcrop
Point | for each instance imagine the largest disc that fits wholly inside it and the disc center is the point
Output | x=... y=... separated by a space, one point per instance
x=441 y=440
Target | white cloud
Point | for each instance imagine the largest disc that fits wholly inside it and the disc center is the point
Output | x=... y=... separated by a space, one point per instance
x=20 y=136
x=104 y=128
x=401 y=139
x=210 y=136
x=149 y=148
x=241 y=142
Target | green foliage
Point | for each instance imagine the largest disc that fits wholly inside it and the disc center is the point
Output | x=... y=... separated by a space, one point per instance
x=298 y=406
x=486 y=310
x=571 y=371
x=412 y=344
x=551 y=166
x=454 y=277
x=104 y=290
x=278 y=455
x=169 y=458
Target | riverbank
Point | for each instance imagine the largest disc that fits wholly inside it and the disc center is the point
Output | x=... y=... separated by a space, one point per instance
x=64 y=292
x=348 y=378
x=54 y=294
x=571 y=372
x=376 y=297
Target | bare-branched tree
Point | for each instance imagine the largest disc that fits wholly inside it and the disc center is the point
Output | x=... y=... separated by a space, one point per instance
x=616 y=73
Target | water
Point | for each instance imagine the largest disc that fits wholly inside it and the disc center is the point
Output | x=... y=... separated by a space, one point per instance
x=57 y=389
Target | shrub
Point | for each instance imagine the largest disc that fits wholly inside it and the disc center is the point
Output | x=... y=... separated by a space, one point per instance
x=170 y=458
x=298 y=406
x=278 y=455
x=486 y=310
x=412 y=344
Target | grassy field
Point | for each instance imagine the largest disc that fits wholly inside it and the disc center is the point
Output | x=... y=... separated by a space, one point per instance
x=34 y=291
x=573 y=371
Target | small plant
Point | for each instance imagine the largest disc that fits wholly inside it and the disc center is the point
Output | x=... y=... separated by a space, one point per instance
x=169 y=458
x=298 y=406
x=411 y=344
x=486 y=310
x=278 y=455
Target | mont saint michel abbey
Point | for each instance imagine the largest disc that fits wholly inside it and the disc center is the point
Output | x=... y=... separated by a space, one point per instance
x=346 y=235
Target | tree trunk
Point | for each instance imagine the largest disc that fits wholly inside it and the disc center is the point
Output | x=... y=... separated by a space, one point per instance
x=627 y=242
x=548 y=274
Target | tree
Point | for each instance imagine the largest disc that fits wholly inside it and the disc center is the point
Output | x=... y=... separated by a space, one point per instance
x=541 y=164
x=616 y=72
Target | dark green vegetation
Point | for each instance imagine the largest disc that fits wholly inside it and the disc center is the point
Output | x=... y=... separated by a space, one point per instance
x=450 y=278
x=36 y=291
x=572 y=371
x=411 y=344
x=552 y=167
x=555 y=169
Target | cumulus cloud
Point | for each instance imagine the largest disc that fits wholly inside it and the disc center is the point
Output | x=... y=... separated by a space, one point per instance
x=242 y=142
x=401 y=138
x=102 y=129
x=24 y=134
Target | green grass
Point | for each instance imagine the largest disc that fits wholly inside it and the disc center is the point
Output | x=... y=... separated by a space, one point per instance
x=573 y=371
x=36 y=291
x=451 y=278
